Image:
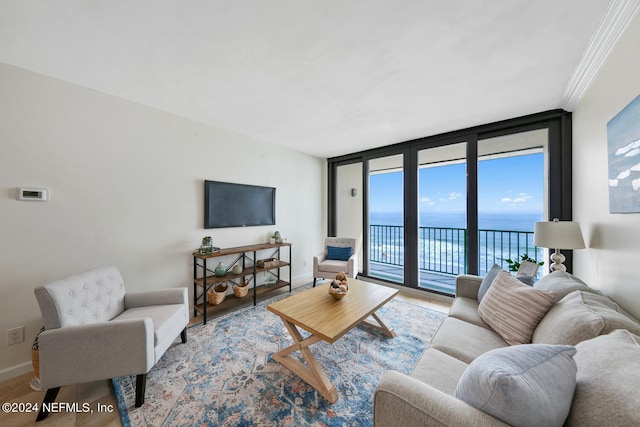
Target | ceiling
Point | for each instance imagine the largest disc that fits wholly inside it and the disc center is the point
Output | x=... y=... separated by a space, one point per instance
x=324 y=77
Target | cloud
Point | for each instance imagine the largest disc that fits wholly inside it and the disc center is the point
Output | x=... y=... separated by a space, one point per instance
x=633 y=152
x=624 y=174
x=629 y=148
x=451 y=196
x=522 y=198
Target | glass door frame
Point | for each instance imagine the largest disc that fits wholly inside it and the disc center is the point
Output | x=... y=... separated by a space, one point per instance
x=558 y=124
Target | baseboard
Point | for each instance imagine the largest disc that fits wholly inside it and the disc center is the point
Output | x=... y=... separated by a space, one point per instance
x=16 y=371
x=302 y=279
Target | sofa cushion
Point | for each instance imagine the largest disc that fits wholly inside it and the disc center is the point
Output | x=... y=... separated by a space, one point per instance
x=562 y=283
x=523 y=385
x=439 y=370
x=467 y=309
x=513 y=309
x=168 y=320
x=581 y=316
x=332 y=266
x=607 y=381
x=465 y=341
x=488 y=280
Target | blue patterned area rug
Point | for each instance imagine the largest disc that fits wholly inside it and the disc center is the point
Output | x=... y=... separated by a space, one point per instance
x=224 y=374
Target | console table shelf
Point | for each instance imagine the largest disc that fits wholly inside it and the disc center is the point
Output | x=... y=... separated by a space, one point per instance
x=247 y=258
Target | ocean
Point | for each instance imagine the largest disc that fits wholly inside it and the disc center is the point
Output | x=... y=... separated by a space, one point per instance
x=486 y=221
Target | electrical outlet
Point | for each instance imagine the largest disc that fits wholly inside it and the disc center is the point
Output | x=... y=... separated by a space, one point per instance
x=15 y=335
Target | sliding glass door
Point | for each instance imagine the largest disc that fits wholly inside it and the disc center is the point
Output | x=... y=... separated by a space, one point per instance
x=512 y=195
x=436 y=207
x=386 y=218
x=442 y=216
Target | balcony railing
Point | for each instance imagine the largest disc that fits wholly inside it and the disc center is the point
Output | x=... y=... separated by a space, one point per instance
x=443 y=249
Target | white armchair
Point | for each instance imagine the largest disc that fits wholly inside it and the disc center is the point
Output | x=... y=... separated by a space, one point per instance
x=94 y=330
x=332 y=261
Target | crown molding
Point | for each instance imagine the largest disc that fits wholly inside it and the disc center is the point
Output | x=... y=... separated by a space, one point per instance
x=615 y=21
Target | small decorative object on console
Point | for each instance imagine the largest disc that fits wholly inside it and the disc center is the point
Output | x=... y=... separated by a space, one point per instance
x=241 y=290
x=339 y=286
x=220 y=270
x=207 y=248
x=217 y=294
x=268 y=262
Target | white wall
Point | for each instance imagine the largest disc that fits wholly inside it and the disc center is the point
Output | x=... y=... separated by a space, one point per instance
x=611 y=262
x=126 y=185
x=349 y=208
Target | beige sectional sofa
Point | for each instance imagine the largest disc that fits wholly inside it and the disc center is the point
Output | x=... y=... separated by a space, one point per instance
x=607 y=361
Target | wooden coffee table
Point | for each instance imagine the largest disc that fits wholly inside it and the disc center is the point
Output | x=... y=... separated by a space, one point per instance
x=327 y=319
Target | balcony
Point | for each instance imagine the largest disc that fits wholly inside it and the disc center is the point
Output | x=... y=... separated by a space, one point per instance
x=442 y=253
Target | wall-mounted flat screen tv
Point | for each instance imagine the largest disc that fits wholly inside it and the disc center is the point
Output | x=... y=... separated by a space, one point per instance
x=238 y=205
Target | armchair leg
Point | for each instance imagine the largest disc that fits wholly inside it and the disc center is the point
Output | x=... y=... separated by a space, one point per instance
x=49 y=398
x=314 y=282
x=183 y=335
x=141 y=384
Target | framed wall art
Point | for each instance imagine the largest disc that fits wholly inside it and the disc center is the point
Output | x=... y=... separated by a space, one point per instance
x=623 y=139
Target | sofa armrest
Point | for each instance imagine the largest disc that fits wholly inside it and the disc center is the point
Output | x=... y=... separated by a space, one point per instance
x=107 y=349
x=156 y=297
x=401 y=400
x=467 y=285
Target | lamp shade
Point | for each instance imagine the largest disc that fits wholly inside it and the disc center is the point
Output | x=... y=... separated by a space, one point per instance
x=558 y=235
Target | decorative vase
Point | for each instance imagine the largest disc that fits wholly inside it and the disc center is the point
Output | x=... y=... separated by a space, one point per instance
x=236 y=269
x=220 y=270
x=206 y=248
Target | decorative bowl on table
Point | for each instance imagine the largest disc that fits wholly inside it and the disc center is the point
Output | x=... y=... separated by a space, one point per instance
x=339 y=287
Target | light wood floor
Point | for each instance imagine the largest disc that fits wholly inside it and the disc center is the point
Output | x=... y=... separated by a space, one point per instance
x=17 y=390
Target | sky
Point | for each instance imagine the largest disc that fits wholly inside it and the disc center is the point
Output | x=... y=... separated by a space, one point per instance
x=507 y=185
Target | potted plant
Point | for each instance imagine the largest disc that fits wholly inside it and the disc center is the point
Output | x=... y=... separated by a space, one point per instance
x=516 y=265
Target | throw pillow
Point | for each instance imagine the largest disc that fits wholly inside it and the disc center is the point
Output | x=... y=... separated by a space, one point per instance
x=338 y=253
x=513 y=309
x=562 y=283
x=581 y=316
x=488 y=280
x=607 y=381
x=523 y=385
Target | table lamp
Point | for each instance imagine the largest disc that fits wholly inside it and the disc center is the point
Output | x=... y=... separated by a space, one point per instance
x=558 y=235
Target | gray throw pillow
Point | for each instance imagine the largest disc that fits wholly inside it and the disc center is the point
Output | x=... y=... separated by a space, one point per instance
x=581 y=316
x=487 y=280
x=522 y=385
x=607 y=381
x=563 y=283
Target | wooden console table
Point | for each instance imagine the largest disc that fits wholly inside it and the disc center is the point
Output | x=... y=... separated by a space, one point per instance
x=247 y=256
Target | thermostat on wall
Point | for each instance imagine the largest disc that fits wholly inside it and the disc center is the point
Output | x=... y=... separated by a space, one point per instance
x=33 y=194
